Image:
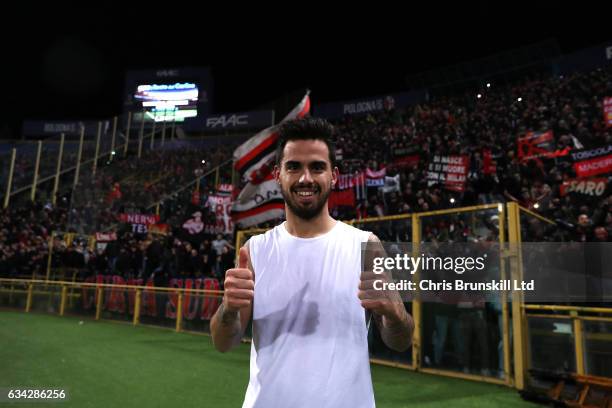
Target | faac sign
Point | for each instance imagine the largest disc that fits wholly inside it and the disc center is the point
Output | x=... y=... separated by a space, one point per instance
x=227 y=121
x=254 y=119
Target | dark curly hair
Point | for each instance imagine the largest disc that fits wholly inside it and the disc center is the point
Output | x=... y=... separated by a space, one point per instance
x=306 y=129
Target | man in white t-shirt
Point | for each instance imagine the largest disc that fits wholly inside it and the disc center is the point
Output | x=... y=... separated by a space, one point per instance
x=302 y=285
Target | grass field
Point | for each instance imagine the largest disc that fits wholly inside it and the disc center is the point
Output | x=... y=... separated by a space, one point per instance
x=104 y=364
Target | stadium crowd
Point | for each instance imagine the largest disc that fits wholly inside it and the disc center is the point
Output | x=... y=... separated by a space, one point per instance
x=484 y=128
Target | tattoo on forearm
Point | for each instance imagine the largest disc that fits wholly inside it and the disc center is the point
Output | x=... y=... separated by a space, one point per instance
x=227 y=318
x=396 y=335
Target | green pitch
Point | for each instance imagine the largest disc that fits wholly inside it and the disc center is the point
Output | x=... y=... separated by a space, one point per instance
x=102 y=364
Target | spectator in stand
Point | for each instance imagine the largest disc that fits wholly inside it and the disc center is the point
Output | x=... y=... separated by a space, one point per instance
x=601 y=234
x=219 y=245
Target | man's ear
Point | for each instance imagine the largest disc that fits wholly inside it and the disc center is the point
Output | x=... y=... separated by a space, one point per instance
x=276 y=173
x=335 y=176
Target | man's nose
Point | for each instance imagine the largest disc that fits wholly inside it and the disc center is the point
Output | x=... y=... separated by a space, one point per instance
x=306 y=177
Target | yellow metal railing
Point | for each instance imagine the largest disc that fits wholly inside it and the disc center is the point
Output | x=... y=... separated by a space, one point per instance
x=515 y=314
x=13 y=288
x=577 y=316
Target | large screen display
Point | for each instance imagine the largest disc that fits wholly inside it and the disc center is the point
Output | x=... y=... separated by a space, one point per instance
x=168 y=102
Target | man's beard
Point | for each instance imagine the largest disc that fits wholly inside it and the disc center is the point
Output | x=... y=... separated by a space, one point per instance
x=310 y=211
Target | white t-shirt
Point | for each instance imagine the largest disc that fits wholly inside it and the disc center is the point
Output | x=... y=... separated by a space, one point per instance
x=309 y=344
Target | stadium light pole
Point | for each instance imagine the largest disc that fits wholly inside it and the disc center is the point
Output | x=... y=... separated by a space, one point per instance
x=127 y=134
x=57 y=169
x=9 y=182
x=95 y=162
x=79 y=155
x=112 y=149
x=163 y=140
x=36 y=167
x=141 y=135
x=153 y=134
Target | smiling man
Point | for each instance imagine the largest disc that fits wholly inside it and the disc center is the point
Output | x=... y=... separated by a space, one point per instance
x=301 y=283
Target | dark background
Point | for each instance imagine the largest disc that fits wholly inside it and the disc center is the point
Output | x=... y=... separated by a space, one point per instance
x=69 y=62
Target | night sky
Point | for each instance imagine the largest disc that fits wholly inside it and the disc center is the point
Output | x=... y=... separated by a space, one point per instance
x=70 y=63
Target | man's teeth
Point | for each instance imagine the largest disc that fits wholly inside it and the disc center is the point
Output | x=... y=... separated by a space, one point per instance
x=305 y=193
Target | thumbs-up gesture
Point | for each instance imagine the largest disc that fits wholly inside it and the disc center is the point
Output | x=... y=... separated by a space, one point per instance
x=239 y=284
x=374 y=293
x=374 y=296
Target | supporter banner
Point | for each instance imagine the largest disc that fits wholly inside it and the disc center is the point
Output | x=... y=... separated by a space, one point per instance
x=607 y=104
x=258 y=152
x=356 y=180
x=374 y=174
x=140 y=222
x=379 y=182
x=375 y=178
x=489 y=166
x=144 y=219
x=360 y=186
x=593 y=161
x=591 y=187
x=122 y=300
x=194 y=305
x=451 y=171
x=587 y=168
x=369 y=105
x=225 y=189
x=392 y=184
x=407 y=161
x=258 y=203
x=106 y=236
x=338 y=198
x=349 y=188
x=534 y=145
x=243 y=120
x=221 y=206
